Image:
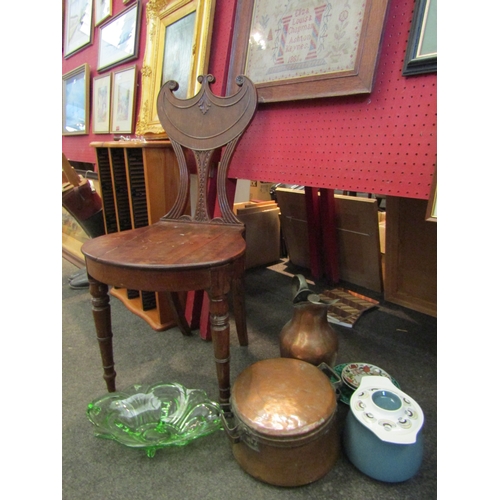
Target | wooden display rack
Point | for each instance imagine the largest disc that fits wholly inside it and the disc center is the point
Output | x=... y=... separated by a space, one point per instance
x=139 y=183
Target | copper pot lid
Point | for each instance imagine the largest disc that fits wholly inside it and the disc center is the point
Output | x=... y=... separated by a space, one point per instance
x=283 y=397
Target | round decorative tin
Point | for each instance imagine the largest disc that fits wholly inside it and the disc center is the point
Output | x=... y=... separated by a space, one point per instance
x=352 y=373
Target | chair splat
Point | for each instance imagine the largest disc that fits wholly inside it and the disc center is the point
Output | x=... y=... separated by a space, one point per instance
x=205 y=123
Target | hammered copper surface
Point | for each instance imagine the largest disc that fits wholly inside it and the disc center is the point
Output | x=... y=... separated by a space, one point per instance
x=286 y=431
x=308 y=335
x=293 y=465
x=283 y=397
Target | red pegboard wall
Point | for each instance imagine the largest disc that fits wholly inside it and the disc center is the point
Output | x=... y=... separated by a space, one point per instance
x=383 y=142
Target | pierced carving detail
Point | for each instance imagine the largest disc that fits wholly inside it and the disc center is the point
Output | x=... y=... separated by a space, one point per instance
x=202 y=163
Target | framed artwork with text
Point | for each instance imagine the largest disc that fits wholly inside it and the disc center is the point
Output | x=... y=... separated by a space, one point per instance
x=303 y=49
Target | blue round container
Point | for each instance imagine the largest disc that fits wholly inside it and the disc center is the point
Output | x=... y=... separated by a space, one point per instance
x=383 y=431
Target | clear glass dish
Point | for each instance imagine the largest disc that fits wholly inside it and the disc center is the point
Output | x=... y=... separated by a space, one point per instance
x=154 y=417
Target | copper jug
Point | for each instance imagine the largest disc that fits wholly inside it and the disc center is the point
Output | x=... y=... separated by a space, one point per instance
x=308 y=335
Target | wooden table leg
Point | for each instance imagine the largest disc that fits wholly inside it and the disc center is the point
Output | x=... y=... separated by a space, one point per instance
x=102 y=319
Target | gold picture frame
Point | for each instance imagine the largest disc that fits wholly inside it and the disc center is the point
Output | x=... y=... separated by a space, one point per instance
x=103 y=9
x=101 y=104
x=75 y=101
x=431 y=211
x=169 y=26
x=123 y=100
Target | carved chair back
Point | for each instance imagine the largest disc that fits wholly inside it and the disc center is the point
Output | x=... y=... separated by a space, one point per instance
x=204 y=124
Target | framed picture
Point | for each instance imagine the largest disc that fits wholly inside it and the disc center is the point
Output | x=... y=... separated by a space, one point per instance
x=78 y=29
x=123 y=100
x=421 y=52
x=303 y=49
x=177 y=48
x=119 y=38
x=102 y=10
x=101 y=102
x=75 y=97
x=431 y=211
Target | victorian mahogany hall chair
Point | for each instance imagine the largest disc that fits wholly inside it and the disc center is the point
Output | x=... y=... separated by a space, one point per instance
x=182 y=252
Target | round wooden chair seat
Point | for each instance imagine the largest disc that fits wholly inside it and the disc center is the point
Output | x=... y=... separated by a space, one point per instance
x=168 y=244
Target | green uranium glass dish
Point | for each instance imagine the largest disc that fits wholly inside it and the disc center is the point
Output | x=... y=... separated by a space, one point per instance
x=154 y=417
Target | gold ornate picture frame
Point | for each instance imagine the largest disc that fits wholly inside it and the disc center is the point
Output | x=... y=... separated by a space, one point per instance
x=173 y=27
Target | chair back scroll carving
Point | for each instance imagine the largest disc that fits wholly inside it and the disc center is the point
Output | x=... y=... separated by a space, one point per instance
x=204 y=123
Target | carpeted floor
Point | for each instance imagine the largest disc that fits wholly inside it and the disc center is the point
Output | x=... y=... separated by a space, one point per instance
x=399 y=340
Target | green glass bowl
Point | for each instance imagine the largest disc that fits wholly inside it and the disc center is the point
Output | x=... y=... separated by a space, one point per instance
x=154 y=417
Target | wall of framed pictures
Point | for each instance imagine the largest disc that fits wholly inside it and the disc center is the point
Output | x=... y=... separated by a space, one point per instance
x=383 y=140
x=102 y=37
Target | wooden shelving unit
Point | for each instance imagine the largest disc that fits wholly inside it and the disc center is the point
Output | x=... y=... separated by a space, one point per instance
x=139 y=183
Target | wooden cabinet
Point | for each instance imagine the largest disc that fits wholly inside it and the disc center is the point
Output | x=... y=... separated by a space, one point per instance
x=411 y=255
x=139 y=183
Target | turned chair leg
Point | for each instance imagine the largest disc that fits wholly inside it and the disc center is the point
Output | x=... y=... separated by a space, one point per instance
x=238 y=292
x=219 y=325
x=240 y=315
x=102 y=319
x=178 y=312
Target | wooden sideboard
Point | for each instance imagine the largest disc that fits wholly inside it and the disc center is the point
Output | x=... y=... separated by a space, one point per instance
x=139 y=183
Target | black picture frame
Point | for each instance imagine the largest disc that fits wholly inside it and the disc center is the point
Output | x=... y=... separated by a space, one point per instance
x=78 y=26
x=424 y=23
x=118 y=49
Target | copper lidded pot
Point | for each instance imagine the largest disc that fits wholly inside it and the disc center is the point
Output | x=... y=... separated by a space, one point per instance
x=308 y=335
x=283 y=428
